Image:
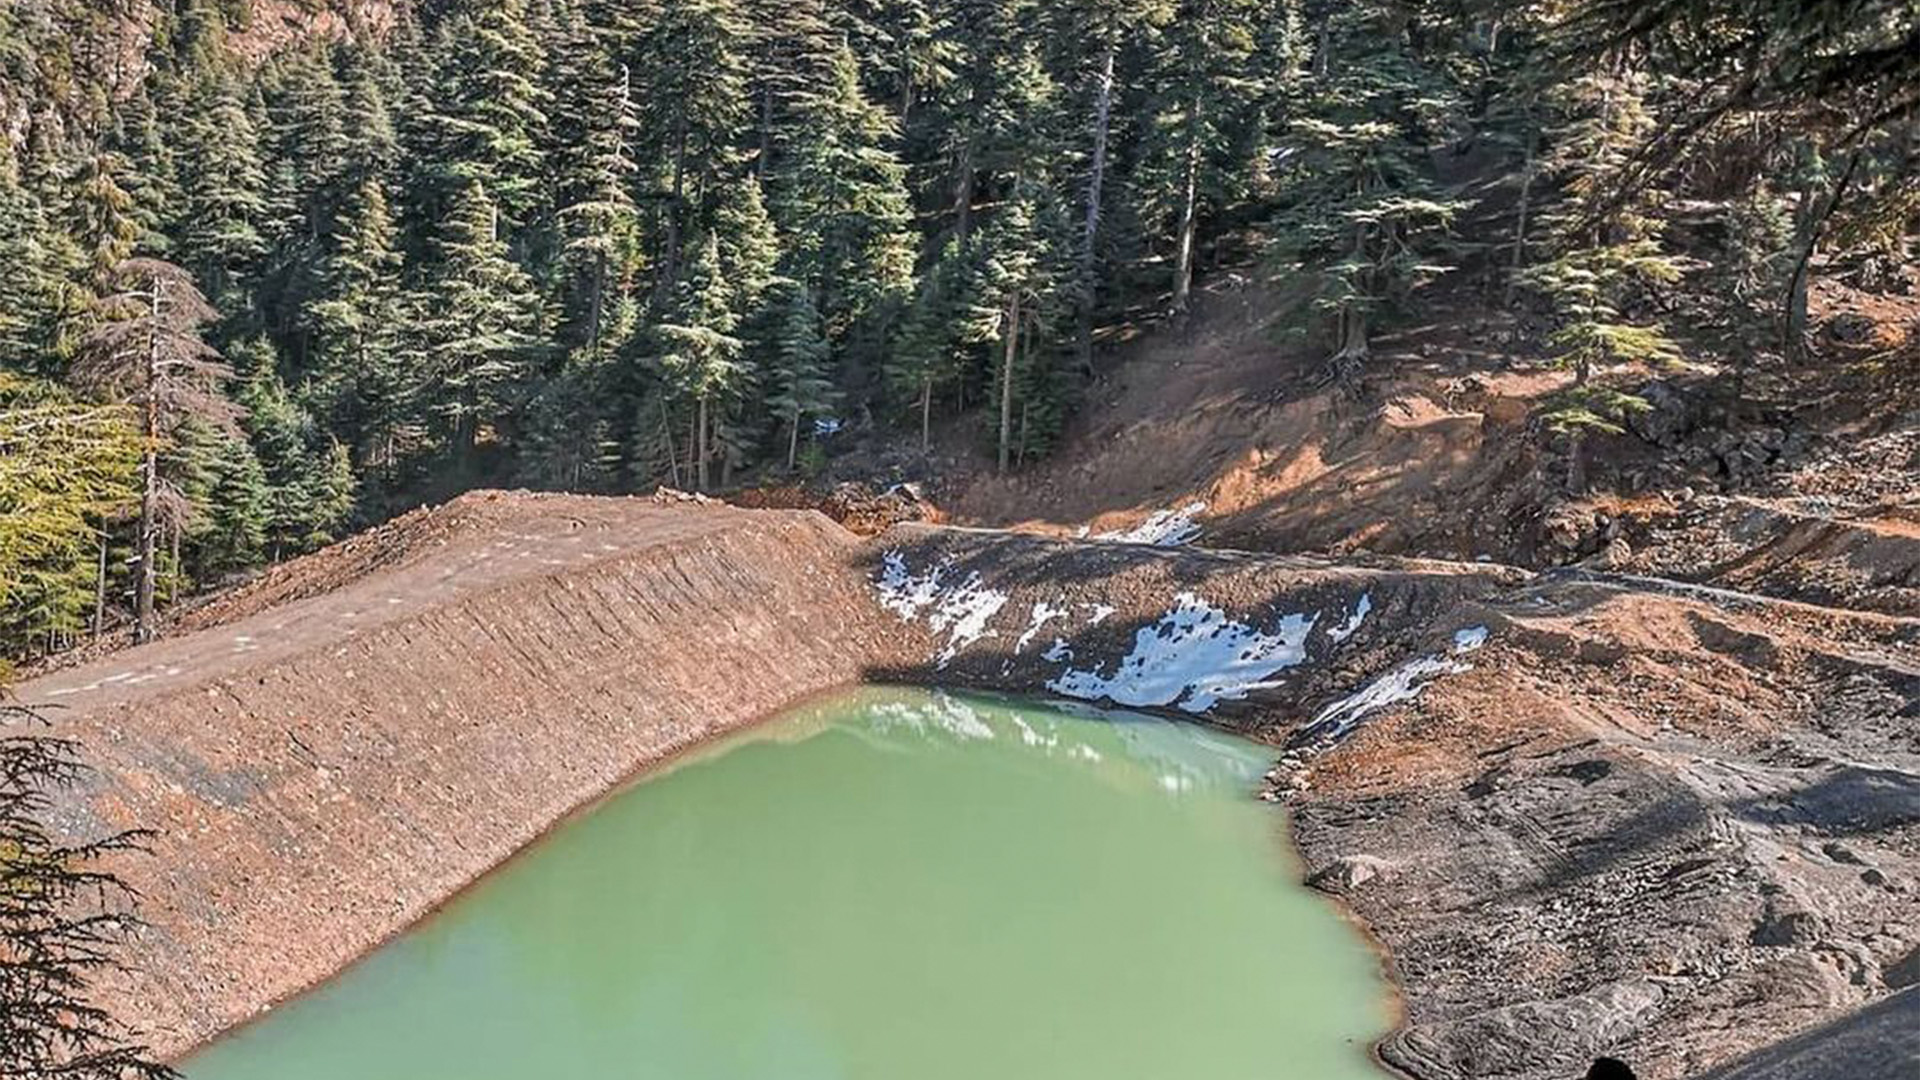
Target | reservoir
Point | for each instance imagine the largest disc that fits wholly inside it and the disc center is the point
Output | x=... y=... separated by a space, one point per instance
x=884 y=885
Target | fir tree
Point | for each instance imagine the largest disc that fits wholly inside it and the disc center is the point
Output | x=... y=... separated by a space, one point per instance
x=484 y=318
x=795 y=371
x=699 y=356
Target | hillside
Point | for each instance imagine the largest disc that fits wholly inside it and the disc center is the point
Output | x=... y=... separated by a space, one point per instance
x=1799 y=486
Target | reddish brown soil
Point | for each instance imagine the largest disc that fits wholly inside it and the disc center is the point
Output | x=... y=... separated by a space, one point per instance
x=324 y=767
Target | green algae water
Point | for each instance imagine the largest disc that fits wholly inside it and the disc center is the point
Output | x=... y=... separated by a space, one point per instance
x=891 y=885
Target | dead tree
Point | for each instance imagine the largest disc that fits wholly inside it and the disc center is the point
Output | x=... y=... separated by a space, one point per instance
x=148 y=354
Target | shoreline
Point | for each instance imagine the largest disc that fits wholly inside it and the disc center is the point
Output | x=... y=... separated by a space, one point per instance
x=645 y=771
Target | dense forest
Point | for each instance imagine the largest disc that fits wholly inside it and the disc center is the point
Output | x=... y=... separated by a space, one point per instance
x=251 y=298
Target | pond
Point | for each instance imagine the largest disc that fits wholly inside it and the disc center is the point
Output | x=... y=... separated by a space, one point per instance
x=885 y=885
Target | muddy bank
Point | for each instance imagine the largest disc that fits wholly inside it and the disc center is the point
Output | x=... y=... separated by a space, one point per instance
x=1670 y=831
x=324 y=771
x=1584 y=814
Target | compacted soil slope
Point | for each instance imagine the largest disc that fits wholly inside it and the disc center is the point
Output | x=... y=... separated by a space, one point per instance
x=323 y=771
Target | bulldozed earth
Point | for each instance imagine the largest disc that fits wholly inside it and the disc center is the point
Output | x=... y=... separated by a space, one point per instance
x=1582 y=813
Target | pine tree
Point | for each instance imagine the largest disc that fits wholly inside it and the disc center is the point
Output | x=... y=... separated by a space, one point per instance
x=151 y=178
x=1104 y=27
x=65 y=467
x=1364 y=212
x=309 y=483
x=694 y=94
x=489 y=115
x=795 y=369
x=32 y=285
x=1203 y=66
x=841 y=200
x=66 y=916
x=699 y=356
x=105 y=226
x=940 y=329
x=593 y=125
x=223 y=191
x=1010 y=276
x=362 y=375
x=484 y=318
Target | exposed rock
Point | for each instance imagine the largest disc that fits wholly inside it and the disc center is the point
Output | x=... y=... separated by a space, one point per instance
x=1348 y=873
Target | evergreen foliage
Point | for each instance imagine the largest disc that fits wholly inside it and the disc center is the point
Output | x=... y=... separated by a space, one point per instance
x=603 y=246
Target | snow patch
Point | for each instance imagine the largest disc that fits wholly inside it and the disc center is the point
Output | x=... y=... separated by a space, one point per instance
x=1360 y=610
x=1164 y=528
x=1403 y=683
x=1195 y=657
x=960 y=611
x=1059 y=653
x=1099 y=613
x=1043 y=613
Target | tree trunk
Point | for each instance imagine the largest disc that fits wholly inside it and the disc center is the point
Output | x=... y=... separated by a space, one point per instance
x=596 y=309
x=100 y=587
x=673 y=455
x=1813 y=222
x=144 y=581
x=926 y=413
x=1096 y=178
x=1520 y=215
x=766 y=135
x=963 y=196
x=1189 y=214
x=793 y=440
x=700 y=447
x=670 y=275
x=693 y=446
x=1006 y=379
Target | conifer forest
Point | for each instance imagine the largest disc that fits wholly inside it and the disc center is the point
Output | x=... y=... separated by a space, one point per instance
x=260 y=290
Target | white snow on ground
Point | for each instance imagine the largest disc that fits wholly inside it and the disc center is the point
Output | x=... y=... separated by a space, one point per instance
x=1060 y=653
x=1403 y=683
x=1043 y=613
x=1346 y=629
x=1165 y=528
x=1194 y=657
x=961 y=611
x=1099 y=613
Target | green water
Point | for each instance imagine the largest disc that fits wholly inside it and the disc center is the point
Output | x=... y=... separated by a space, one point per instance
x=892 y=885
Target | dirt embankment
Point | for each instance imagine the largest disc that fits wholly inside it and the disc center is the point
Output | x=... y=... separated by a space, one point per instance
x=1586 y=814
x=1669 y=828
x=1794 y=482
x=323 y=770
